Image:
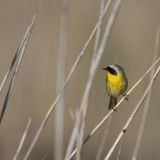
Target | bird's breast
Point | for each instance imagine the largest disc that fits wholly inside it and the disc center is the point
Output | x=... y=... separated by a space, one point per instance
x=115 y=84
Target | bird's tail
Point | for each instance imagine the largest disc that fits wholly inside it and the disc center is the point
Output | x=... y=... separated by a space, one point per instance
x=112 y=102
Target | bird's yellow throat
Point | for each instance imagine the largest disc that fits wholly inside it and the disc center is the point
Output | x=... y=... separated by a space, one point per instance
x=115 y=81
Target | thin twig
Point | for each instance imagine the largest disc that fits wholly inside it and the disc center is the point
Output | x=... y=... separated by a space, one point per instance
x=22 y=51
x=62 y=89
x=111 y=111
x=144 y=115
x=124 y=129
x=22 y=139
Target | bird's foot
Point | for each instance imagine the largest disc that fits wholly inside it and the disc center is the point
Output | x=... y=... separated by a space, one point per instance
x=115 y=109
x=126 y=96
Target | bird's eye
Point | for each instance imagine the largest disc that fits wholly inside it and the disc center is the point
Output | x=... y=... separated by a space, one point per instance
x=112 y=70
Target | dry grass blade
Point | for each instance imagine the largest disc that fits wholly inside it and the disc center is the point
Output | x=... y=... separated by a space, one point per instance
x=124 y=129
x=15 y=58
x=111 y=111
x=22 y=139
x=22 y=51
x=10 y=69
x=79 y=138
x=139 y=137
x=59 y=120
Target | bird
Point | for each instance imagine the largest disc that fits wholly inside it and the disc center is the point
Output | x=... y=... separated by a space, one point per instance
x=116 y=83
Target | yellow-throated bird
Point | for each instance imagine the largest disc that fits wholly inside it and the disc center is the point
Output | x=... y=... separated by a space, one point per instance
x=117 y=83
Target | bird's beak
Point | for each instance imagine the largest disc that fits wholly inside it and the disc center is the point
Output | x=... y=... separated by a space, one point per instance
x=104 y=69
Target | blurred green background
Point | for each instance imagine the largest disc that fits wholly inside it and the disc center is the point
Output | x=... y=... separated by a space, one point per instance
x=131 y=45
